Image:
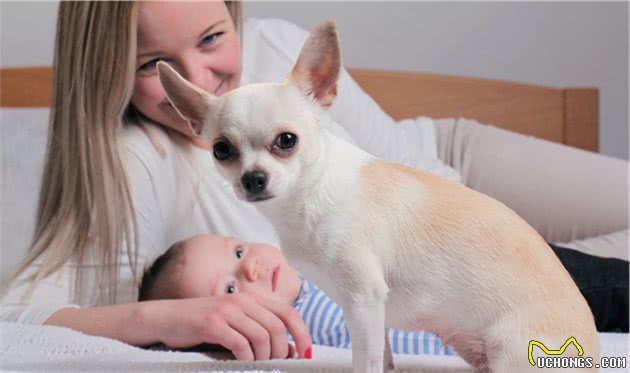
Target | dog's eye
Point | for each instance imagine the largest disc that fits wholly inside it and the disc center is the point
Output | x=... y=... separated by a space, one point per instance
x=223 y=151
x=286 y=140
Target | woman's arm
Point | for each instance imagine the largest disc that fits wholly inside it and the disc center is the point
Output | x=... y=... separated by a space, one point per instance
x=250 y=328
x=121 y=322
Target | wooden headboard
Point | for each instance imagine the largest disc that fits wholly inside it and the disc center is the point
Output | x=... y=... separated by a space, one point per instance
x=565 y=115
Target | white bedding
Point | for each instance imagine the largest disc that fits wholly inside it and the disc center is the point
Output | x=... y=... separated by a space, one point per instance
x=35 y=348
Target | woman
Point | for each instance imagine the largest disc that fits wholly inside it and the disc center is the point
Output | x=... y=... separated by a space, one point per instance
x=98 y=211
x=123 y=179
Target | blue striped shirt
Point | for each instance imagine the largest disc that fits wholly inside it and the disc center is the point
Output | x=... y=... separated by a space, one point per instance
x=327 y=326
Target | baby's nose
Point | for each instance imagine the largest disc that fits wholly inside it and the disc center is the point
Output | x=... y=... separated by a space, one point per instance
x=251 y=269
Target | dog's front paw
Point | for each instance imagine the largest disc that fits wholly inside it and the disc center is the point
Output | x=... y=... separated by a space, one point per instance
x=388 y=364
x=388 y=358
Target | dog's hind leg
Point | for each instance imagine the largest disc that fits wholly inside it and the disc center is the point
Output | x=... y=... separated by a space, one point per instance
x=472 y=349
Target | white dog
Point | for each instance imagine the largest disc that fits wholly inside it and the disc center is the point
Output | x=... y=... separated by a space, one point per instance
x=392 y=245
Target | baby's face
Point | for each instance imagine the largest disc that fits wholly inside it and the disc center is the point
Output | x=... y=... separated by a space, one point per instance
x=216 y=265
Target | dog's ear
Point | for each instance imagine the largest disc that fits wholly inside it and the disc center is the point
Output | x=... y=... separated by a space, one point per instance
x=317 y=68
x=191 y=102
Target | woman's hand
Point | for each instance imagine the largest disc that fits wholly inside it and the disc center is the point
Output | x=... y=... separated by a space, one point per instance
x=250 y=327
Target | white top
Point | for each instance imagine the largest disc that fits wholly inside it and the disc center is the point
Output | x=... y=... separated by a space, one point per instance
x=181 y=194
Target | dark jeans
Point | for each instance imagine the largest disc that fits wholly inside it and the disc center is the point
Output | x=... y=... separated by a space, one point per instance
x=604 y=284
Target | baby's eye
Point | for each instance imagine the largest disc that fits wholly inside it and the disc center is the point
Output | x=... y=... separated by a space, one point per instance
x=239 y=252
x=231 y=288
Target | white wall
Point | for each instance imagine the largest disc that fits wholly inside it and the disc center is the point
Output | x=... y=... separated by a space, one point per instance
x=27 y=32
x=557 y=44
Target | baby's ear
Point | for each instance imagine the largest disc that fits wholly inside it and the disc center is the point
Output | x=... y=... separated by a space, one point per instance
x=317 y=68
x=191 y=102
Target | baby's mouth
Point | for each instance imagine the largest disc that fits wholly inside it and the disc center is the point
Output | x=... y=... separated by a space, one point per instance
x=274 y=278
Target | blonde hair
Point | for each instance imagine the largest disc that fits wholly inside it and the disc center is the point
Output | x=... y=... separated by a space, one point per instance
x=84 y=198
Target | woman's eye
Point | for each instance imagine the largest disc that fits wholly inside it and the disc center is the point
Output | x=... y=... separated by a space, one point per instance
x=150 y=65
x=286 y=141
x=211 y=38
x=231 y=288
x=239 y=253
x=223 y=151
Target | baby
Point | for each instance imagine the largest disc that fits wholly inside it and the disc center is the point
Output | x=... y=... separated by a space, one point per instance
x=209 y=265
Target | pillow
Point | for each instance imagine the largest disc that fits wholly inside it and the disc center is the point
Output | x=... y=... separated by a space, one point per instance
x=23 y=135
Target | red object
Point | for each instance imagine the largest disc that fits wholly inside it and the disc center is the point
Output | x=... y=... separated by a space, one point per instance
x=308 y=353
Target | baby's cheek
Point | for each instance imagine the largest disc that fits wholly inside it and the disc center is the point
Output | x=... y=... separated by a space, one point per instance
x=256 y=289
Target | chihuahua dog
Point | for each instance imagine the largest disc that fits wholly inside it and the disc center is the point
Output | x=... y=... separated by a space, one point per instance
x=394 y=246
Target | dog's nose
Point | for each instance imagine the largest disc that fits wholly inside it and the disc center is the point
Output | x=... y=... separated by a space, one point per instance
x=254 y=182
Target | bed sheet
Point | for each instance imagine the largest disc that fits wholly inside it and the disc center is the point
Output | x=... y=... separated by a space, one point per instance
x=37 y=348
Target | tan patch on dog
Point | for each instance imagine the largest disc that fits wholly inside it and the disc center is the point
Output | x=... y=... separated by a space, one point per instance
x=435 y=216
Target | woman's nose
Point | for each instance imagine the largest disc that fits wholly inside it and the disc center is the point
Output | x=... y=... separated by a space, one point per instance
x=198 y=75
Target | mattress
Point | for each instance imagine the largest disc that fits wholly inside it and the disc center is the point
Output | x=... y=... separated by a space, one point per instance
x=37 y=348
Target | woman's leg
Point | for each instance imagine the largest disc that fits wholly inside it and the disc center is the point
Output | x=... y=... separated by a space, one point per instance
x=563 y=192
x=604 y=284
x=612 y=245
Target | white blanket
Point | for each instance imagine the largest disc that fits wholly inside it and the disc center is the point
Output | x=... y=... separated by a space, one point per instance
x=35 y=348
